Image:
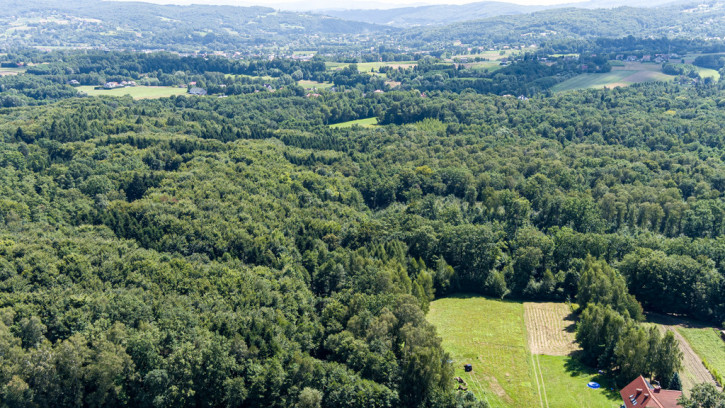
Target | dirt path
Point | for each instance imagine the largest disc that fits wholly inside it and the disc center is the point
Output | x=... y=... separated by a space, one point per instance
x=693 y=371
x=550 y=328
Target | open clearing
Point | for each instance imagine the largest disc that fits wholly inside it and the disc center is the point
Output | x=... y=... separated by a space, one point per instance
x=136 y=92
x=622 y=75
x=565 y=379
x=695 y=346
x=314 y=84
x=11 y=70
x=491 y=335
x=368 y=122
x=707 y=344
x=371 y=66
x=550 y=327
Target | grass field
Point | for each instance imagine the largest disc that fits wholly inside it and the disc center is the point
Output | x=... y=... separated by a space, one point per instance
x=369 y=66
x=12 y=71
x=489 y=334
x=368 y=122
x=315 y=85
x=565 y=379
x=550 y=327
x=707 y=344
x=487 y=65
x=623 y=75
x=492 y=335
x=708 y=73
x=136 y=92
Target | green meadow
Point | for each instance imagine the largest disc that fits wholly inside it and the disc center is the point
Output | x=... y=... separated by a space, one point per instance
x=136 y=92
x=491 y=335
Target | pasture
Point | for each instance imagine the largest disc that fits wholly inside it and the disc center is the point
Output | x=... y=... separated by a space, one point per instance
x=367 y=122
x=708 y=345
x=490 y=334
x=494 y=336
x=371 y=66
x=136 y=92
x=315 y=85
x=550 y=327
x=621 y=75
x=695 y=347
x=12 y=70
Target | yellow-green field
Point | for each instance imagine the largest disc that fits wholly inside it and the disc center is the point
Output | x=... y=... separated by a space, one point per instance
x=263 y=77
x=487 y=65
x=370 y=66
x=623 y=75
x=708 y=73
x=12 y=71
x=491 y=335
x=368 y=122
x=136 y=92
x=315 y=85
x=492 y=55
x=708 y=345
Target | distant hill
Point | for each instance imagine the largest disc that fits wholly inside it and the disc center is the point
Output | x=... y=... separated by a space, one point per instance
x=432 y=15
x=143 y=25
x=446 y=14
x=683 y=21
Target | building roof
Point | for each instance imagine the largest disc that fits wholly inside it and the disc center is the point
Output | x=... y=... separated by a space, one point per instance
x=640 y=393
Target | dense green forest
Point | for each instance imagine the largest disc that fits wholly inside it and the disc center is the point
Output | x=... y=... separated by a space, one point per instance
x=205 y=251
x=236 y=250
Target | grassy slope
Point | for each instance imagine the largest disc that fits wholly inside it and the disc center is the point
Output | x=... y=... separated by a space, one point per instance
x=136 y=92
x=368 y=122
x=707 y=344
x=491 y=335
x=314 y=84
x=620 y=75
x=565 y=379
x=368 y=66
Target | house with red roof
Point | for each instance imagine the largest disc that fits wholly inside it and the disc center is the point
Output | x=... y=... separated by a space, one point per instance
x=640 y=393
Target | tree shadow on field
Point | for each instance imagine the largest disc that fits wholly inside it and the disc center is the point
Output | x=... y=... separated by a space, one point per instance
x=669 y=320
x=571 y=318
x=575 y=368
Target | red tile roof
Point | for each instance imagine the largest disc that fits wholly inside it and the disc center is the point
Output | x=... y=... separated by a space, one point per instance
x=640 y=393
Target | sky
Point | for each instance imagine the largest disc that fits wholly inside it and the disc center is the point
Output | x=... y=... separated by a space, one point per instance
x=346 y=4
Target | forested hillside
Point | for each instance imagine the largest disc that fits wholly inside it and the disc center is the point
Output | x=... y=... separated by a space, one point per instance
x=196 y=251
x=243 y=207
x=119 y=25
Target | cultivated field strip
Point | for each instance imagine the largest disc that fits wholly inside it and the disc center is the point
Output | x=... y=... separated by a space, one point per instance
x=550 y=328
x=695 y=371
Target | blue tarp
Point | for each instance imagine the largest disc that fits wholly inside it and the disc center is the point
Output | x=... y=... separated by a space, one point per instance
x=593 y=385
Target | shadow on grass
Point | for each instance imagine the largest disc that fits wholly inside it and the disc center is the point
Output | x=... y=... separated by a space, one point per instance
x=669 y=320
x=575 y=368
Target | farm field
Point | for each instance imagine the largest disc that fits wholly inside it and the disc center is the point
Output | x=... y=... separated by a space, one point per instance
x=693 y=370
x=367 y=122
x=494 y=55
x=565 y=380
x=136 y=92
x=492 y=335
x=314 y=84
x=12 y=71
x=369 y=66
x=707 y=344
x=708 y=73
x=487 y=65
x=622 y=75
x=550 y=328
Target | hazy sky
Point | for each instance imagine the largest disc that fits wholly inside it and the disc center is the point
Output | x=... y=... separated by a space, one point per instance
x=340 y=4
